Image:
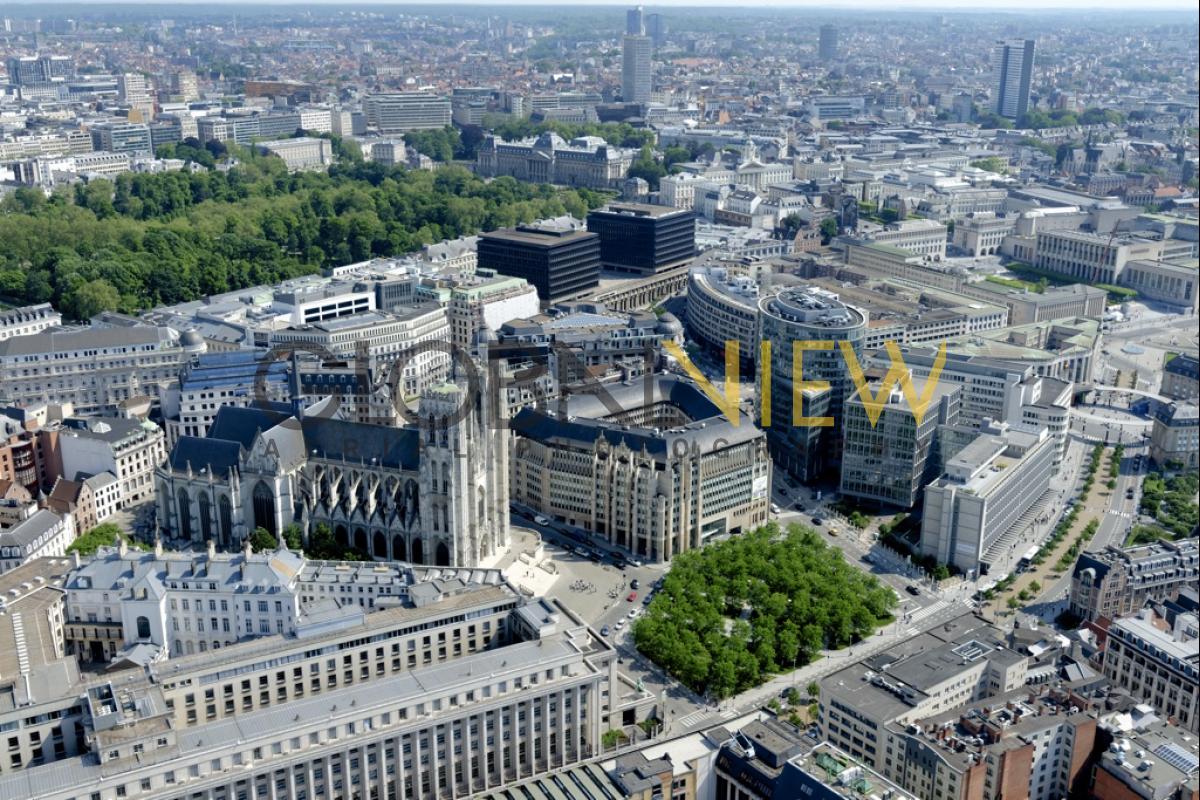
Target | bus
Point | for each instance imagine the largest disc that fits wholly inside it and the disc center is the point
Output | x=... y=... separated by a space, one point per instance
x=1027 y=560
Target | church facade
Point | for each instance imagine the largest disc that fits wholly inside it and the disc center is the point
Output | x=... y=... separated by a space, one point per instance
x=434 y=492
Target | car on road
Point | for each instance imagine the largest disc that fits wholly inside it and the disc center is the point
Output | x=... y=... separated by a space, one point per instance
x=775 y=508
x=646 y=600
x=596 y=556
x=619 y=623
x=620 y=563
x=632 y=597
x=818 y=521
x=633 y=612
x=540 y=520
x=605 y=631
x=913 y=590
x=635 y=584
x=582 y=552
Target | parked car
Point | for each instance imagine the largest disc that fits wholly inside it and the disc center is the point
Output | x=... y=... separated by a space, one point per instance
x=540 y=520
x=818 y=521
x=634 y=584
x=913 y=590
x=632 y=596
x=605 y=631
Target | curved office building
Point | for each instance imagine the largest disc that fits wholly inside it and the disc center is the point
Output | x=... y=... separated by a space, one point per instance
x=722 y=306
x=806 y=314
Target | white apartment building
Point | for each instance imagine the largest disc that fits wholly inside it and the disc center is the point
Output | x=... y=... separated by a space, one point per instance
x=92 y=368
x=28 y=320
x=127 y=448
x=488 y=304
x=43 y=533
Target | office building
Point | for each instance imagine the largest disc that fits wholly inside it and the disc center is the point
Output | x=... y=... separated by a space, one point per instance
x=1157 y=662
x=133 y=90
x=586 y=161
x=799 y=443
x=586 y=342
x=406 y=111
x=485 y=303
x=985 y=490
x=212 y=380
x=26 y=70
x=122 y=137
x=303 y=153
x=1180 y=380
x=931 y=673
x=656 y=29
x=722 y=307
x=451 y=694
x=1119 y=581
x=93 y=368
x=890 y=460
x=637 y=72
x=420 y=493
x=827 y=47
x=1056 y=302
x=1012 y=73
x=28 y=320
x=634 y=23
x=408 y=339
x=640 y=238
x=128 y=449
x=922 y=237
x=649 y=466
x=561 y=262
x=1175 y=435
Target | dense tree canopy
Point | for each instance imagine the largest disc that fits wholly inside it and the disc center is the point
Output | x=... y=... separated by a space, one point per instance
x=734 y=612
x=150 y=239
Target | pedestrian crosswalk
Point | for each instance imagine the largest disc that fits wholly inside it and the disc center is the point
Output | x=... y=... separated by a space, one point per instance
x=927 y=611
x=694 y=718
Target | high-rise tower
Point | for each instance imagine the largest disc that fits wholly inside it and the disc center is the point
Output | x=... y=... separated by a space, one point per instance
x=1012 y=71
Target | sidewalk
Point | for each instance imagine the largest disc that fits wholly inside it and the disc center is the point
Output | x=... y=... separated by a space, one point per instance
x=1097 y=504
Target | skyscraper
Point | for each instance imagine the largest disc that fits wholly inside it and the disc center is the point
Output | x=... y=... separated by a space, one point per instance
x=827 y=48
x=634 y=24
x=635 y=68
x=656 y=28
x=1012 y=70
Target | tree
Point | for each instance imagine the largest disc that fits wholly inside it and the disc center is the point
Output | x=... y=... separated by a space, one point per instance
x=829 y=229
x=647 y=168
x=105 y=534
x=813 y=689
x=262 y=540
x=88 y=299
x=293 y=536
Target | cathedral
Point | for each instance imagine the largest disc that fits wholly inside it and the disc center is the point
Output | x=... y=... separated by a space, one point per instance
x=434 y=491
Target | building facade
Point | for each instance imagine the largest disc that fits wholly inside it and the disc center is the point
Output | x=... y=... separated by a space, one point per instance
x=561 y=264
x=584 y=161
x=433 y=492
x=808 y=386
x=640 y=238
x=653 y=475
x=1117 y=582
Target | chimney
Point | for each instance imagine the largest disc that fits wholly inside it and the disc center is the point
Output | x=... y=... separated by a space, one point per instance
x=158 y=548
x=212 y=550
x=246 y=550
